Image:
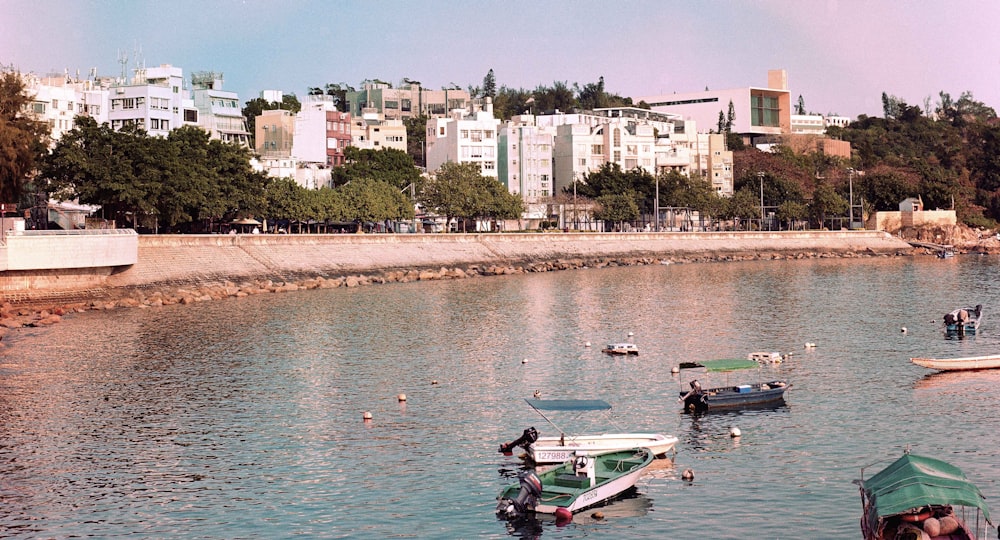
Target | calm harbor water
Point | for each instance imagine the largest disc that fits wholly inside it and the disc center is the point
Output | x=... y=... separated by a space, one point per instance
x=242 y=418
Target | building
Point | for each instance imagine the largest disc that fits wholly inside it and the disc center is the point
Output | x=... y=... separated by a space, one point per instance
x=408 y=101
x=464 y=137
x=219 y=111
x=757 y=111
x=59 y=99
x=371 y=130
x=338 y=136
x=524 y=158
x=153 y=100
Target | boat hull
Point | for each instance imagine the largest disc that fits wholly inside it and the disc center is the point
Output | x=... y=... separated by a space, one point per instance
x=959 y=364
x=547 y=450
x=733 y=397
x=613 y=474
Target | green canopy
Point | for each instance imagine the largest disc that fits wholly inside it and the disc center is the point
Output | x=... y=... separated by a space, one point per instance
x=725 y=364
x=915 y=481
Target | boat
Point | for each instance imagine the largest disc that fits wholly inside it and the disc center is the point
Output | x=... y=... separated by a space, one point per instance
x=959 y=364
x=765 y=357
x=728 y=397
x=621 y=348
x=587 y=480
x=561 y=448
x=963 y=320
x=945 y=254
x=918 y=497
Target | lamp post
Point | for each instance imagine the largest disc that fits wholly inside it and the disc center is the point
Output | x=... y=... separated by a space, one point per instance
x=760 y=176
x=656 y=206
x=850 y=187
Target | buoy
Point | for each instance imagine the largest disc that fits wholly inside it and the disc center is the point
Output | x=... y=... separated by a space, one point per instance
x=688 y=475
x=630 y=334
x=810 y=345
x=675 y=369
x=587 y=344
x=903 y=329
x=367 y=416
x=538 y=394
x=435 y=381
x=401 y=397
x=734 y=432
x=563 y=516
x=597 y=515
x=524 y=360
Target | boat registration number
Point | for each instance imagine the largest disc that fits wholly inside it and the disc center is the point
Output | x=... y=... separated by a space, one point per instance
x=553 y=456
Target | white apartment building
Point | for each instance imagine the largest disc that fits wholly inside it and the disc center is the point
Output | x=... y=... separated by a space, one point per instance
x=219 y=111
x=54 y=100
x=524 y=158
x=409 y=100
x=154 y=100
x=808 y=124
x=464 y=137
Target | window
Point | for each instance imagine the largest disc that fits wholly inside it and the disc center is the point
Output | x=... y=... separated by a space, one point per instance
x=38 y=107
x=618 y=138
x=477 y=135
x=55 y=104
x=764 y=111
x=441 y=131
x=489 y=134
x=463 y=134
x=631 y=150
x=392 y=104
x=597 y=149
x=406 y=105
x=489 y=165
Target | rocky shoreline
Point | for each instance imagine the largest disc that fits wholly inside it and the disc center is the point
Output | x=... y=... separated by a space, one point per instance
x=40 y=313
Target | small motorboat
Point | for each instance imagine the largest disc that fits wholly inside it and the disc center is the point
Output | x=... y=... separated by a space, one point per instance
x=759 y=393
x=620 y=348
x=963 y=320
x=765 y=357
x=921 y=497
x=559 y=449
x=959 y=364
x=587 y=480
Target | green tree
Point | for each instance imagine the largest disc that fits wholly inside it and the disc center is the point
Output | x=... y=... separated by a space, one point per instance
x=790 y=212
x=592 y=96
x=743 y=205
x=23 y=139
x=256 y=106
x=367 y=199
x=416 y=138
x=489 y=85
x=389 y=165
x=826 y=201
x=617 y=208
x=730 y=117
x=800 y=107
x=459 y=190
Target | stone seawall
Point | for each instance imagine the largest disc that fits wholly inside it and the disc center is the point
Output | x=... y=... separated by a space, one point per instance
x=174 y=261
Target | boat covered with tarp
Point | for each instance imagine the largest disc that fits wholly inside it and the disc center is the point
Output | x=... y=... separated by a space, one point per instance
x=699 y=398
x=919 y=497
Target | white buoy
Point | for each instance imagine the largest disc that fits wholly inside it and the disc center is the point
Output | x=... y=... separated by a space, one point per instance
x=367 y=416
x=810 y=345
x=630 y=334
x=524 y=360
x=675 y=369
x=587 y=344
x=903 y=329
x=435 y=381
x=734 y=432
x=401 y=397
x=688 y=475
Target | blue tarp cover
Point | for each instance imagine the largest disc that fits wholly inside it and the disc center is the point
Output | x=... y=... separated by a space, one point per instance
x=569 y=404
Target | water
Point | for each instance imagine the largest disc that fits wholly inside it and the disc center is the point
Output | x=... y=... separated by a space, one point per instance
x=242 y=418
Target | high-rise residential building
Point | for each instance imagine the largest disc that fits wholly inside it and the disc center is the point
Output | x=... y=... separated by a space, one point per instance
x=219 y=110
x=466 y=136
x=524 y=158
x=153 y=99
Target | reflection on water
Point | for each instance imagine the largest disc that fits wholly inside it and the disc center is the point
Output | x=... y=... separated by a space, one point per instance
x=243 y=417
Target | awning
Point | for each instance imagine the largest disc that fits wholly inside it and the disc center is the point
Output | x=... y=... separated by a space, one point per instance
x=915 y=481
x=569 y=404
x=245 y=221
x=724 y=364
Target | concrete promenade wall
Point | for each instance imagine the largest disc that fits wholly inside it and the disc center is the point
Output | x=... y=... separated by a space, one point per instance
x=179 y=260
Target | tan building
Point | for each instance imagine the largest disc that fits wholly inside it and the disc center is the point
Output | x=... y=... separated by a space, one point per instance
x=408 y=101
x=371 y=130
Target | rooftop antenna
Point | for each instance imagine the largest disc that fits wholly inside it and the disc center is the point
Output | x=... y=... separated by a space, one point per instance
x=123 y=60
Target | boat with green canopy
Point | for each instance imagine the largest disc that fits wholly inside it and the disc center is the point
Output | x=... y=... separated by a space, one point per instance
x=728 y=396
x=918 y=497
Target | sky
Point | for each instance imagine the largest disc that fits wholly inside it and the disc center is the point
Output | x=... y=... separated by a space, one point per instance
x=839 y=55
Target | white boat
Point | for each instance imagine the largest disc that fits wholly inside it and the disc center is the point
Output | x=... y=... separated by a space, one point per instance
x=765 y=357
x=585 y=481
x=959 y=364
x=963 y=320
x=558 y=449
x=620 y=348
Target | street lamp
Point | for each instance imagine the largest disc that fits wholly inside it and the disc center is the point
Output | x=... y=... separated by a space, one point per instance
x=850 y=187
x=656 y=205
x=760 y=176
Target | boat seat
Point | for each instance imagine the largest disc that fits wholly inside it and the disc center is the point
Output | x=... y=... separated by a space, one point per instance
x=561 y=490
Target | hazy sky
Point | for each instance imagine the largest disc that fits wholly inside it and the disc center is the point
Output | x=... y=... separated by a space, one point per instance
x=840 y=55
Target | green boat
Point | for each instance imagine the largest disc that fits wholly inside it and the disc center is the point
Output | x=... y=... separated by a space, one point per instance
x=917 y=498
x=588 y=480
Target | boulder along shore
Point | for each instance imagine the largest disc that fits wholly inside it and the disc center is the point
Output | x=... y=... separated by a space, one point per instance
x=185 y=269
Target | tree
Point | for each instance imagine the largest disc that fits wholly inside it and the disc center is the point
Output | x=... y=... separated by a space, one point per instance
x=790 y=212
x=592 y=96
x=730 y=117
x=256 y=106
x=389 y=165
x=800 y=107
x=743 y=205
x=459 y=190
x=617 y=208
x=367 y=199
x=825 y=202
x=489 y=85
x=23 y=140
x=339 y=92
x=416 y=138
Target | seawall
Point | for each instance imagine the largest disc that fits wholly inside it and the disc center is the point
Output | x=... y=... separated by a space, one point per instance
x=173 y=261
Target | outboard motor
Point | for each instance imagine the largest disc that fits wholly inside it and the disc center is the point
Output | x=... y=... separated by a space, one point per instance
x=529 y=436
x=527 y=497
